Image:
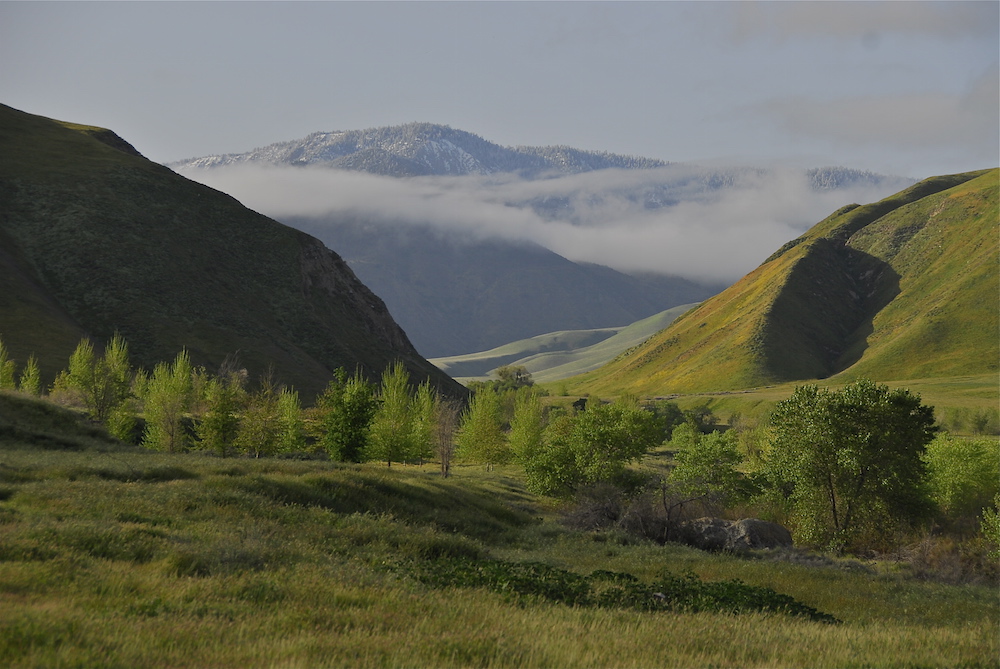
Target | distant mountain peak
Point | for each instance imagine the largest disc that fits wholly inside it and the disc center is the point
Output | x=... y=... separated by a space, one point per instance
x=420 y=149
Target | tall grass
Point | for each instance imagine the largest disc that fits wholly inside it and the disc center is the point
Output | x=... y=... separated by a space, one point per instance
x=131 y=558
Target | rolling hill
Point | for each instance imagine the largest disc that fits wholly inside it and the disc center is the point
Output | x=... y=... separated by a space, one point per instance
x=904 y=288
x=558 y=355
x=96 y=239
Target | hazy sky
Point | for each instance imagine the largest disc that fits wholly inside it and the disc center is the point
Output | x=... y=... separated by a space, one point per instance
x=907 y=88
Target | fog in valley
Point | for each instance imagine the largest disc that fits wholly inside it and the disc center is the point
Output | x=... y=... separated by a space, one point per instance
x=711 y=225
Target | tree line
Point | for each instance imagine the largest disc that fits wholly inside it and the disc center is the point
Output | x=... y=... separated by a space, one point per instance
x=845 y=469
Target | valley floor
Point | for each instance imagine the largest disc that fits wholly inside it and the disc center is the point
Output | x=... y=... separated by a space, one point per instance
x=130 y=558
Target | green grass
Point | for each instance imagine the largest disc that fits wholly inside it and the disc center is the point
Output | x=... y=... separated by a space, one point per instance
x=114 y=556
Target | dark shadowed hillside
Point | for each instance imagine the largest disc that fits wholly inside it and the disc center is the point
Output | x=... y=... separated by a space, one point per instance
x=96 y=239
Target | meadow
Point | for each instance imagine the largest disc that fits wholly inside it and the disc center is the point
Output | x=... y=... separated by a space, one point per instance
x=115 y=556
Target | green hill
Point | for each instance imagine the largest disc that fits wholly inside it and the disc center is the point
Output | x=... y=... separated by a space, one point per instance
x=95 y=239
x=557 y=355
x=904 y=288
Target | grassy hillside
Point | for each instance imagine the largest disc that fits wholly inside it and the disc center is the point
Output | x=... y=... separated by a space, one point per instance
x=905 y=288
x=113 y=556
x=96 y=239
x=557 y=355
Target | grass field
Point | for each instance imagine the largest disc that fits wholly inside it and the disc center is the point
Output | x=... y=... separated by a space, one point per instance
x=113 y=556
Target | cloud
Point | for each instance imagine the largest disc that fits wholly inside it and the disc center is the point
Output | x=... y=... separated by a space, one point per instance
x=866 y=20
x=915 y=121
x=607 y=217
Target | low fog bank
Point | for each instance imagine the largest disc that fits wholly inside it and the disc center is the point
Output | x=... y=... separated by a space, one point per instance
x=704 y=225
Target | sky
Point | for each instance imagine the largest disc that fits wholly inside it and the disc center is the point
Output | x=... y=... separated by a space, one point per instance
x=897 y=87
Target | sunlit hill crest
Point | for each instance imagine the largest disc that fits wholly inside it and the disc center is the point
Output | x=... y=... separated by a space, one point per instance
x=904 y=288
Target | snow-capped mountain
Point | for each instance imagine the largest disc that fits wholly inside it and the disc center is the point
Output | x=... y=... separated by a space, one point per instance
x=422 y=149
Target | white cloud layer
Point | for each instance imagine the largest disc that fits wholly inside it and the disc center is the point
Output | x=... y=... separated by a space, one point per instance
x=713 y=236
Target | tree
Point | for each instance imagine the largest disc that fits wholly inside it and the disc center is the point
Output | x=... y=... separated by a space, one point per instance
x=849 y=462
x=291 y=428
x=481 y=436
x=551 y=469
x=345 y=411
x=446 y=415
x=527 y=426
x=608 y=437
x=8 y=368
x=963 y=474
x=224 y=399
x=705 y=470
x=424 y=414
x=102 y=383
x=260 y=427
x=592 y=446
x=167 y=397
x=390 y=437
x=30 y=381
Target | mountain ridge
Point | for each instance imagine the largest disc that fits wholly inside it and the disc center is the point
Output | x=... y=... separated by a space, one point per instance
x=96 y=240
x=423 y=149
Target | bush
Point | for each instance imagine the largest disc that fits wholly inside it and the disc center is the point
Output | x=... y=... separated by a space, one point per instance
x=963 y=477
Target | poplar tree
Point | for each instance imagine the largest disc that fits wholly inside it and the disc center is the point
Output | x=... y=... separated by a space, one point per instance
x=291 y=428
x=259 y=428
x=527 y=426
x=391 y=434
x=167 y=398
x=481 y=436
x=219 y=424
x=30 y=381
x=7 y=369
x=424 y=415
x=345 y=411
x=102 y=383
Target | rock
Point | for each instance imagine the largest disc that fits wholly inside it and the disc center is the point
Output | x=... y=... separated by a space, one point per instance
x=751 y=533
x=738 y=536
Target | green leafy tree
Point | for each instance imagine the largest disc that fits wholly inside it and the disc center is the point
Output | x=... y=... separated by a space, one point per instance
x=101 y=383
x=963 y=474
x=8 y=369
x=527 y=426
x=850 y=462
x=425 y=403
x=291 y=426
x=608 y=437
x=481 y=436
x=344 y=413
x=259 y=430
x=705 y=470
x=591 y=446
x=390 y=436
x=551 y=469
x=224 y=398
x=30 y=381
x=167 y=398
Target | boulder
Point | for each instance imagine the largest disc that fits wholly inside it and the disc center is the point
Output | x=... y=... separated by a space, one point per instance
x=738 y=536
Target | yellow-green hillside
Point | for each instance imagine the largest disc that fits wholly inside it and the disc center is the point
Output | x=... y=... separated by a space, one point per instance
x=904 y=288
